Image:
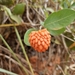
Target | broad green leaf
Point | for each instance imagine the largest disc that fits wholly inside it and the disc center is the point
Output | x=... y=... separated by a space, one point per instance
x=59 y=19
x=13 y=17
x=26 y=36
x=7 y=72
x=19 y=8
x=56 y=32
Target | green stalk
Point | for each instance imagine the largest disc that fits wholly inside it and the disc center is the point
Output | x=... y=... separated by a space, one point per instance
x=23 y=50
x=13 y=54
x=9 y=25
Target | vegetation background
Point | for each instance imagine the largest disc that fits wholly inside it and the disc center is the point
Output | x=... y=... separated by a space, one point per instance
x=16 y=58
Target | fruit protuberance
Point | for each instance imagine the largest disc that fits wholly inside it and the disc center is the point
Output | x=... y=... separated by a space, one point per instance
x=40 y=40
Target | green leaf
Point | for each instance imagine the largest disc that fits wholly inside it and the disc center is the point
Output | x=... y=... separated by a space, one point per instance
x=8 y=72
x=60 y=19
x=7 y=10
x=13 y=17
x=19 y=8
x=16 y=18
x=26 y=36
x=56 y=32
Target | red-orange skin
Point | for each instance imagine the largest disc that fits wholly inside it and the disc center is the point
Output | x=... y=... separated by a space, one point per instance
x=40 y=40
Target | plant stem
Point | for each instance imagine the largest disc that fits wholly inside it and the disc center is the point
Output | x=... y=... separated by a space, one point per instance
x=13 y=54
x=23 y=50
x=8 y=25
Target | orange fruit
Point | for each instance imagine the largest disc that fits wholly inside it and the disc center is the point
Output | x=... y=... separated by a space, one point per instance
x=40 y=40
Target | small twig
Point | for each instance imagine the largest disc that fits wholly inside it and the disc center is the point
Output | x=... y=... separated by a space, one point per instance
x=68 y=38
x=39 y=13
x=9 y=25
x=9 y=58
x=61 y=70
x=56 y=5
x=5 y=19
x=13 y=54
x=16 y=63
x=12 y=25
x=54 y=73
x=64 y=43
x=70 y=31
x=8 y=52
x=50 y=54
x=27 y=13
x=10 y=63
x=72 y=67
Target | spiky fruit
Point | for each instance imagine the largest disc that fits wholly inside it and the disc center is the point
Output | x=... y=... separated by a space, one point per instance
x=40 y=40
